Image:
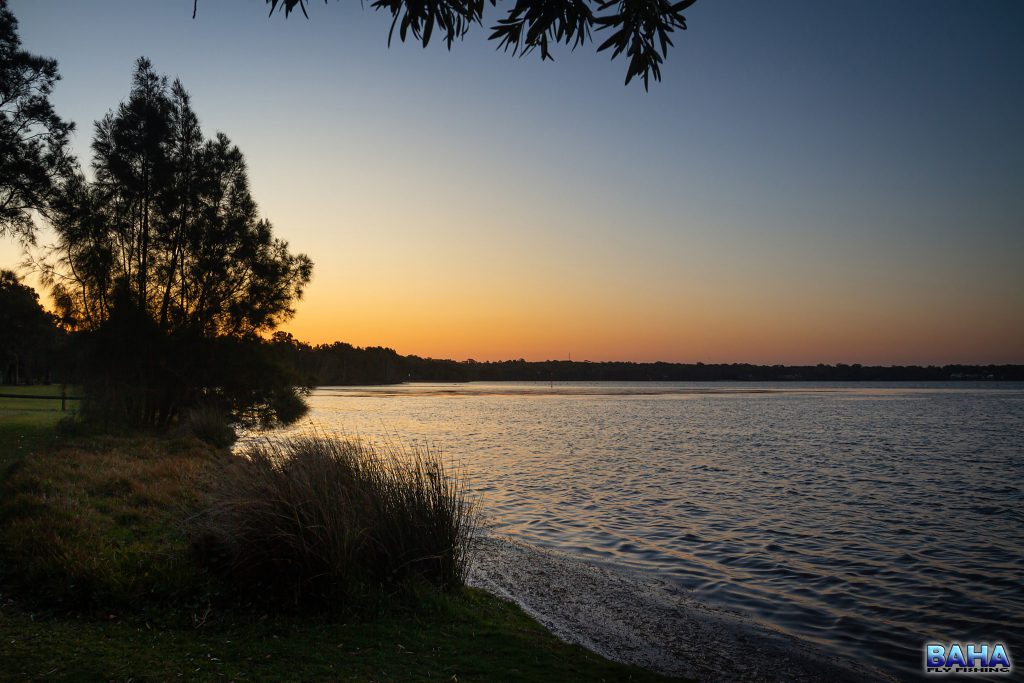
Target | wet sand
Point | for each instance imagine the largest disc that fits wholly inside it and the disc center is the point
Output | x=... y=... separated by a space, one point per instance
x=649 y=623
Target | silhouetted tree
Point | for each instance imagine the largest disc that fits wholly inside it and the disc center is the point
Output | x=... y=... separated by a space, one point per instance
x=163 y=257
x=33 y=139
x=639 y=29
x=28 y=333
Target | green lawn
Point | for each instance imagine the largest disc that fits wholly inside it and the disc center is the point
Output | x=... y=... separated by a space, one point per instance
x=470 y=637
x=25 y=428
x=12 y=407
x=97 y=586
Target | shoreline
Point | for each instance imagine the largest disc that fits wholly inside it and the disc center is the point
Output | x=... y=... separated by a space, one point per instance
x=648 y=623
x=124 y=599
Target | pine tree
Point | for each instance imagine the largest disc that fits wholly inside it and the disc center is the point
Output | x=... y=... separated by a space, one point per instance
x=33 y=139
x=165 y=261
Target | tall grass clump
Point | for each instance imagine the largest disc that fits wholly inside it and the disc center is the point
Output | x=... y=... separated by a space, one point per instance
x=322 y=521
x=209 y=424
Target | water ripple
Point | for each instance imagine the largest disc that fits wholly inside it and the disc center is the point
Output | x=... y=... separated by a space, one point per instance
x=866 y=518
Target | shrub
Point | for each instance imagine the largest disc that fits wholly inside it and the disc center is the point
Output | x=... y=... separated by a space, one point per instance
x=208 y=424
x=320 y=521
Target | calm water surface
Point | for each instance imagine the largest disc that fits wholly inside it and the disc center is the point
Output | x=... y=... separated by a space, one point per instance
x=868 y=518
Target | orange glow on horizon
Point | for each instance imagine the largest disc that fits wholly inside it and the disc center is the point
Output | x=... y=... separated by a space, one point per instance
x=709 y=331
x=756 y=206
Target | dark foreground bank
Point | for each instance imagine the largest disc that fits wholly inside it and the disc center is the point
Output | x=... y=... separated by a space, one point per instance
x=99 y=582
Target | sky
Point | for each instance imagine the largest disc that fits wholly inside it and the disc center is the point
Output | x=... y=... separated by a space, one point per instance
x=811 y=181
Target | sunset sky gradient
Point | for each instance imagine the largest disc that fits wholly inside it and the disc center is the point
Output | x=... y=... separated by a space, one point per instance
x=812 y=182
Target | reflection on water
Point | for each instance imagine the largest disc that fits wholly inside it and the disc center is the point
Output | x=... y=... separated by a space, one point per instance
x=868 y=518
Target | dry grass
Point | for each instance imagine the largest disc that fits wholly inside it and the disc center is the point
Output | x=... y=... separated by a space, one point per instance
x=316 y=520
x=98 y=521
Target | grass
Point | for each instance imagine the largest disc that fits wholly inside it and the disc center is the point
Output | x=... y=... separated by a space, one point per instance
x=25 y=425
x=98 y=585
x=98 y=522
x=10 y=407
x=469 y=637
x=324 y=521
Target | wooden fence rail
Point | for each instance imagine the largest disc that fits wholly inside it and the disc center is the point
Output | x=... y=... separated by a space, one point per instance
x=63 y=398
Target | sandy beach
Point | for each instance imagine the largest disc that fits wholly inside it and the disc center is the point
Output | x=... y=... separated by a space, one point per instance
x=648 y=622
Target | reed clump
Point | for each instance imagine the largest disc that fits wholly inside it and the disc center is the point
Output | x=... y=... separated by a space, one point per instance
x=208 y=424
x=321 y=521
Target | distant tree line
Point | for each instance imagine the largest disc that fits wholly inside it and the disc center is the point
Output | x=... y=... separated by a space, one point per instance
x=575 y=371
x=340 y=364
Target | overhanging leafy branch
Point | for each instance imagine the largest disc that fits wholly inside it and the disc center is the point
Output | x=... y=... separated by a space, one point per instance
x=639 y=29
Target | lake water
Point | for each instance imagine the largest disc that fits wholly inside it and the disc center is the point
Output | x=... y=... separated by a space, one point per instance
x=867 y=518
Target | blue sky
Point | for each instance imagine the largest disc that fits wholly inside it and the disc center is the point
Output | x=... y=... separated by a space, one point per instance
x=811 y=182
